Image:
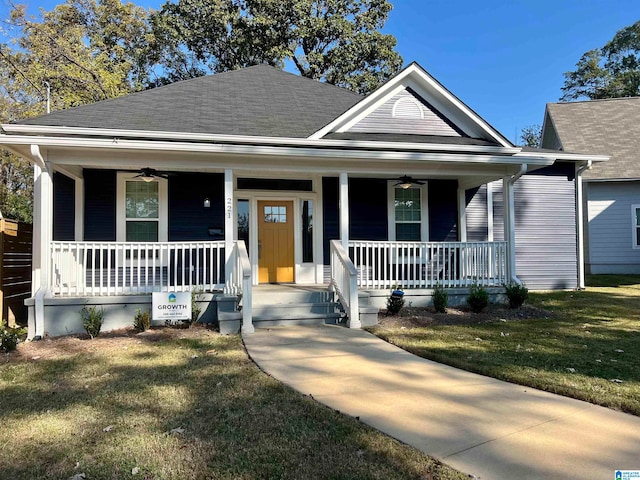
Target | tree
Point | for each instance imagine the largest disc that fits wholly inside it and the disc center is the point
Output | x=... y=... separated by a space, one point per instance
x=531 y=136
x=608 y=72
x=336 y=41
x=86 y=51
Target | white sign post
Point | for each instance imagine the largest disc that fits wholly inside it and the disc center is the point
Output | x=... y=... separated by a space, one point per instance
x=171 y=307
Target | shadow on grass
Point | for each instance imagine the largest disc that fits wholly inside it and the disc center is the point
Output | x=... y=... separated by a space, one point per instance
x=612 y=280
x=113 y=409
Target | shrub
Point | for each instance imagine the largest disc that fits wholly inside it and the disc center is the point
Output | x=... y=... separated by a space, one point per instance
x=395 y=302
x=517 y=294
x=195 y=306
x=9 y=338
x=142 y=320
x=440 y=299
x=92 y=319
x=478 y=298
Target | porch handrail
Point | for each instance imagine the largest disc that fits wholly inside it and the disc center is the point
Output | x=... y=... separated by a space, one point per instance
x=344 y=280
x=239 y=283
x=125 y=268
x=389 y=264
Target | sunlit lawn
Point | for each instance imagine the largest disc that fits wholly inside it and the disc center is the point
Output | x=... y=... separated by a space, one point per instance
x=178 y=408
x=589 y=350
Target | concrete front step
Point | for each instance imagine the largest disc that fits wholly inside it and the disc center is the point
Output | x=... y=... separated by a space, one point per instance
x=271 y=295
x=292 y=309
x=307 y=319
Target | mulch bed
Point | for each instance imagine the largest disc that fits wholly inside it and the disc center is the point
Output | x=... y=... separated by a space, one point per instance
x=412 y=317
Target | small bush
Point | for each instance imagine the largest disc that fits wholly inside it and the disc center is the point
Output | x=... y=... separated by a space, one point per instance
x=440 y=299
x=9 y=338
x=395 y=302
x=517 y=294
x=478 y=298
x=142 y=320
x=92 y=319
x=195 y=306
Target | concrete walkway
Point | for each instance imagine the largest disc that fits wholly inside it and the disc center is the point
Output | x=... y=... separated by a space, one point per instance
x=479 y=425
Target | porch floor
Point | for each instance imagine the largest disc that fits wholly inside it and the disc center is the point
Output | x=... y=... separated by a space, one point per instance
x=446 y=412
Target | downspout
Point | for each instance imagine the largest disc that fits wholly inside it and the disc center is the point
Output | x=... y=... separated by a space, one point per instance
x=580 y=223
x=36 y=324
x=511 y=241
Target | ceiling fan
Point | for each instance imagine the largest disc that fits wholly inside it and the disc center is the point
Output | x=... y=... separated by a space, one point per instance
x=148 y=174
x=407 y=181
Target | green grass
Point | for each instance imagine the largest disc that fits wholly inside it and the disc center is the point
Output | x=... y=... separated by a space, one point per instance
x=238 y=422
x=593 y=338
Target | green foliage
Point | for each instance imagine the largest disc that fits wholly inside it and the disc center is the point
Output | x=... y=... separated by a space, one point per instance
x=195 y=306
x=608 y=72
x=531 y=136
x=478 y=298
x=336 y=41
x=440 y=299
x=517 y=294
x=92 y=320
x=9 y=337
x=142 y=320
x=395 y=303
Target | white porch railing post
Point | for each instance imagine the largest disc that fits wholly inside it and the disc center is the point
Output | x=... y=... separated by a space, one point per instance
x=344 y=210
x=344 y=281
x=228 y=218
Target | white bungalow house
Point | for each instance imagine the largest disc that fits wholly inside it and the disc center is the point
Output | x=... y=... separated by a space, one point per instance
x=231 y=181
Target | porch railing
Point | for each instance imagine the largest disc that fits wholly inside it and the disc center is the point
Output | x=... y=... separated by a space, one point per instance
x=382 y=265
x=119 y=268
x=239 y=283
x=344 y=281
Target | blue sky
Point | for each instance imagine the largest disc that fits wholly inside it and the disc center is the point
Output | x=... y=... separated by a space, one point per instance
x=505 y=59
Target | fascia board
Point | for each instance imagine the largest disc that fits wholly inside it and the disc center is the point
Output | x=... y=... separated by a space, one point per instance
x=285 y=151
x=112 y=134
x=569 y=157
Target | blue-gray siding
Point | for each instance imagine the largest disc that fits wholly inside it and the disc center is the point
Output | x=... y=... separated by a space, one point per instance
x=610 y=227
x=330 y=215
x=476 y=212
x=443 y=210
x=64 y=200
x=188 y=218
x=99 y=205
x=368 y=209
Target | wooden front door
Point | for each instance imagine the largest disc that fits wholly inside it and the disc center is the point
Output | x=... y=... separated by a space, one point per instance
x=275 y=241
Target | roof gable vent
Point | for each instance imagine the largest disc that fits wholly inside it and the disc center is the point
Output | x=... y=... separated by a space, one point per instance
x=407 y=107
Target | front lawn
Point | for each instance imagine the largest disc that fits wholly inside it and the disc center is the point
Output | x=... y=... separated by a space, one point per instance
x=588 y=349
x=177 y=404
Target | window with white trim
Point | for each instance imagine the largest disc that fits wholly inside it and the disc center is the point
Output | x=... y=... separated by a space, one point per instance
x=408 y=214
x=142 y=209
x=635 y=212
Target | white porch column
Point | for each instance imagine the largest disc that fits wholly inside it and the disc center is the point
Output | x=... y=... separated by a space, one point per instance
x=509 y=227
x=79 y=211
x=228 y=219
x=42 y=234
x=462 y=215
x=344 y=210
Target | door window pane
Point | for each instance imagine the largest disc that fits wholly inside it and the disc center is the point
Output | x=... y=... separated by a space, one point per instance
x=275 y=214
x=243 y=222
x=307 y=231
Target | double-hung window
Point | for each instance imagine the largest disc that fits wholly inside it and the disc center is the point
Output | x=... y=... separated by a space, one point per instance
x=142 y=209
x=408 y=221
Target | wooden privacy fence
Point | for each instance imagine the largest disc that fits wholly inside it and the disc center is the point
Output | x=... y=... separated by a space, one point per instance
x=15 y=269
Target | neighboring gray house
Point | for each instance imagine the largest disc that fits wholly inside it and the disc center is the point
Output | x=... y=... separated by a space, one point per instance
x=611 y=189
x=257 y=176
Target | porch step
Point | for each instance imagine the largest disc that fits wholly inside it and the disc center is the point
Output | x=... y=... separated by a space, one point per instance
x=275 y=305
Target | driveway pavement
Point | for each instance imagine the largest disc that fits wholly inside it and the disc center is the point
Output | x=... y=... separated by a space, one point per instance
x=479 y=425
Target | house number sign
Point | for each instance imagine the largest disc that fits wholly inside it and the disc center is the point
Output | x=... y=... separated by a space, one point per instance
x=229 y=206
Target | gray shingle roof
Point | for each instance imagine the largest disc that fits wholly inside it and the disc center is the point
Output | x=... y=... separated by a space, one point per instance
x=256 y=101
x=602 y=127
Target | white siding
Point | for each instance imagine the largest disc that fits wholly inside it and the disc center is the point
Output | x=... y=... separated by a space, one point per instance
x=412 y=115
x=610 y=230
x=546 y=240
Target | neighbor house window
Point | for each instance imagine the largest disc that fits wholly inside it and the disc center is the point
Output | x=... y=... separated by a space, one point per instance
x=635 y=210
x=408 y=214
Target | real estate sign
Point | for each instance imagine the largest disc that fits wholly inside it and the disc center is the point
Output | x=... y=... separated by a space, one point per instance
x=171 y=306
